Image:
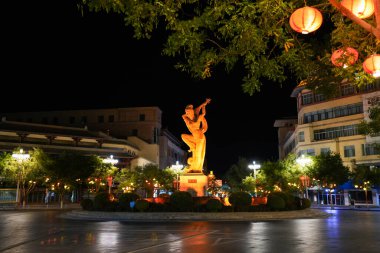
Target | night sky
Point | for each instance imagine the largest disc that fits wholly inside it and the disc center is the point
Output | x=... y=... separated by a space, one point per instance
x=54 y=58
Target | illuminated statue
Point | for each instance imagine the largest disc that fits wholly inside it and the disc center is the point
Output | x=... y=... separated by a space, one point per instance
x=196 y=123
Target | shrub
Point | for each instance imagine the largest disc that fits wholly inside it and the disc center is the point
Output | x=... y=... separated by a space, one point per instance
x=259 y=208
x=306 y=203
x=213 y=205
x=240 y=201
x=125 y=200
x=199 y=203
x=87 y=204
x=142 y=205
x=181 y=201
x=101 y=201
x=227 y=209
x=298 y=202
x=158 y=207
x=275 y=202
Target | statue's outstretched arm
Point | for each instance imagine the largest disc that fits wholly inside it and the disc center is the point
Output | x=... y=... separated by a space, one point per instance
x=202 y=106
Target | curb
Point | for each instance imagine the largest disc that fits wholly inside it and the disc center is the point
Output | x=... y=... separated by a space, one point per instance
x=189 y=216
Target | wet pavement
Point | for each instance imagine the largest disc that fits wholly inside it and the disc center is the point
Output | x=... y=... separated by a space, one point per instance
x=44 y=231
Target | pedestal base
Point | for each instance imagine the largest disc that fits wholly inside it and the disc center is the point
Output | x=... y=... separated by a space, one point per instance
x=195 y=183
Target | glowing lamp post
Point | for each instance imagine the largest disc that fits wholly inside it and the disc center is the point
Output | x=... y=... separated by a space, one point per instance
x=305 y=20
x=372 y=65
x=177 y=168
x=304 y=161
x=254 y=167
x=112 y=161
x=360 y=8
x=20 y=157
x=344 y=57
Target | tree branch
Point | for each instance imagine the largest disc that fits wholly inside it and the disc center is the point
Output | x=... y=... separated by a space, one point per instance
x=369 y=28
x=377 y=13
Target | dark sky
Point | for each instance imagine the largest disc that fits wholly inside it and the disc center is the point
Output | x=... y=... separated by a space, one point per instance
x=55 y=58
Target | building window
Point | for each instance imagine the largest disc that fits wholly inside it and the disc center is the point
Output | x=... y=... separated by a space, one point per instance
x=55 y=121
x=334 y=112
x=301 y=152
x=319 y=97
x=155 y=135
x=100 y=119
x=335 y=132
x=45 y=120
x=142 y=117
x=134 y=132
x=301 y=136
x=290 y=147
x=72 y=120
x=30 y=120
x=325 y=151
x=307 y=98
x=111 y=118
x=310 y=152
x=349 y=151
x=347 y=89
x=370 y=149
x=84 y=120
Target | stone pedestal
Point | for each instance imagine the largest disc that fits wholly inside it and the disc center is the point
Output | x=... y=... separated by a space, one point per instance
x=195 y=183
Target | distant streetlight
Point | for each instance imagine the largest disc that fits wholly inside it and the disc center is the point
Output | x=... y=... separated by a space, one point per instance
x=177 y=167
x=20 y=157
x=254 y=167
x=304 y=161
x=112 y=161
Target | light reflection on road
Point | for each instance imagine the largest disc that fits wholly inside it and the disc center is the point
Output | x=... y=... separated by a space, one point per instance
x=43 y=231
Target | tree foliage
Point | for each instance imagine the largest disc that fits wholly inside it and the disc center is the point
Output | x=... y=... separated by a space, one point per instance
x=371 y=127
x=26 y=172
x=366 y=175
x=272 y=175
x=329 y=169
x=254 y=35
x=147 y=178
x=68 y=168
x=236 y=173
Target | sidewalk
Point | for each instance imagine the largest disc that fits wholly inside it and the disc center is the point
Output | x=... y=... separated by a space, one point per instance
x=353 y=207
x=66 y=206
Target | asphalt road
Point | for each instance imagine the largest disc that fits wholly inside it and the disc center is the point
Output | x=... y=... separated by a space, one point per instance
x=45 y=231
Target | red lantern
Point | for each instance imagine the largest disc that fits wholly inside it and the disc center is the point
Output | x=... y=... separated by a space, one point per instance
x=344 y=57
x=372 y=65
x=360 y=8
x=305 y=20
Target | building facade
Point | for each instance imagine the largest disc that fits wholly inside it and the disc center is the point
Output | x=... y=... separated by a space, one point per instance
x=325 y=125
x=140 y=126
x=57 y=139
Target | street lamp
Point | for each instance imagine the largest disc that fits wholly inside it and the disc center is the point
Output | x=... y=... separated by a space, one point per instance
x=304 y=161
x=254 y=167
x=110 y=160
x=20 y=157
x=177 y=168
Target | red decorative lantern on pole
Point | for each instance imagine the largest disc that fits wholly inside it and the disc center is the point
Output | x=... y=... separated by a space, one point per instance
x=344 y=57
x=372 y=65
x=360 y=8
x=109 y=181
x=305 y=20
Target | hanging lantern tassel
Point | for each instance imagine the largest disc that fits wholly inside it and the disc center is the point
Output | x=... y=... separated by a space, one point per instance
x=305 y=20
x=344 y=57
x=360 y=8
x=372 y=65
